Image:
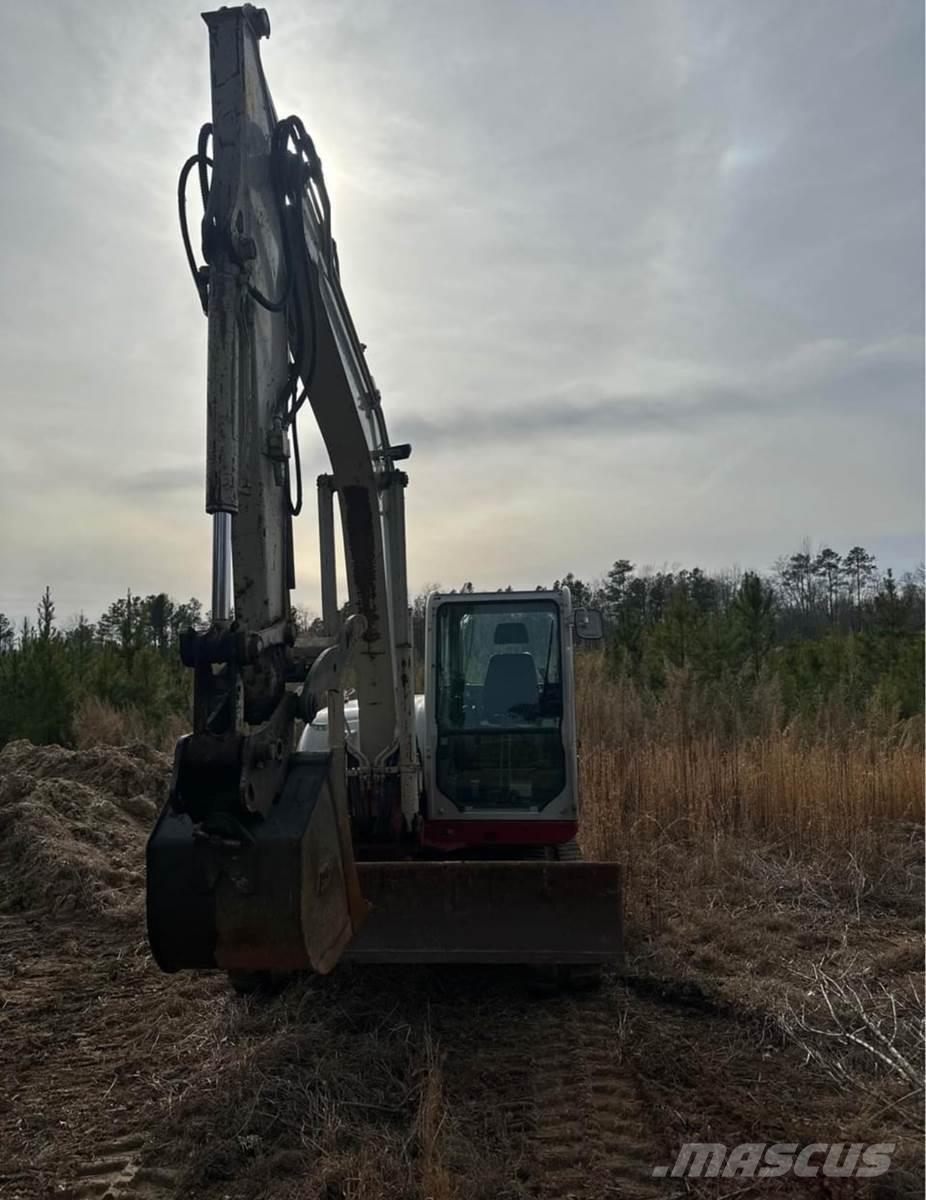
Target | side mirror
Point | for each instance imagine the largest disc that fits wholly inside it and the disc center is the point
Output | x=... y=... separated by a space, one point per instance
x=588 y=624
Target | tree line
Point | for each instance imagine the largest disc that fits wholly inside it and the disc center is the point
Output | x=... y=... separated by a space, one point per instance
x=822 y=627
x=128 y=659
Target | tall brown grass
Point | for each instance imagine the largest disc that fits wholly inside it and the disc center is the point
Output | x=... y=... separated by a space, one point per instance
x=689 y=767
x=97 y=723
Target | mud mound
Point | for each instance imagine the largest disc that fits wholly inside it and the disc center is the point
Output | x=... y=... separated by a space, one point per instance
x=73 y=825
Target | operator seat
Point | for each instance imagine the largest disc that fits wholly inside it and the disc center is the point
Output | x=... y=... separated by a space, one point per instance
x=510 y=682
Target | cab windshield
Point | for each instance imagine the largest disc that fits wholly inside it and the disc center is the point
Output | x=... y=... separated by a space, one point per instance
x=499 y=704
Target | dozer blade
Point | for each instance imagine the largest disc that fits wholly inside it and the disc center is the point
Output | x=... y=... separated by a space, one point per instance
x=282 y=896
x=490 y=912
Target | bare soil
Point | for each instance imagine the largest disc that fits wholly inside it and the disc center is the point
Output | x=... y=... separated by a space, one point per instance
x=388 y=1083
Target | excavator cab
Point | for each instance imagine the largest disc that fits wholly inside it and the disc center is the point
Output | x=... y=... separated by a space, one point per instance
x=503 y=741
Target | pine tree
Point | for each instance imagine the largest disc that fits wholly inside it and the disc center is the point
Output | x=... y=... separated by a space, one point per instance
x=859 y=568
x=615 y=587
x=828 y=568
x=46 y=615
x=753 y=610
x=158 y=611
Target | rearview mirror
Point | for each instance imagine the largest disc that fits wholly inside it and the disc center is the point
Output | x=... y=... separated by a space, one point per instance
x=588 y=624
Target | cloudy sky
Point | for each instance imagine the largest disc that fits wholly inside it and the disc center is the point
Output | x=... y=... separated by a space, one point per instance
x=638 y=279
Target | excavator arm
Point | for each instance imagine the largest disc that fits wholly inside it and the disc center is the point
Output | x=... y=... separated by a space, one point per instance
x=280 y=336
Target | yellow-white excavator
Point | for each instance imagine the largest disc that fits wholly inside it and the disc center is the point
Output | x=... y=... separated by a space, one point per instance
x=401 y=827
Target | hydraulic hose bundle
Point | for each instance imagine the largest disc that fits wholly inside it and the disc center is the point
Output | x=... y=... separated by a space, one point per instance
x=296 y=175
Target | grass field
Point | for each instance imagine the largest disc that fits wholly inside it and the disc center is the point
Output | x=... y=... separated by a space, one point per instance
x=673 y=771
x=772 y=989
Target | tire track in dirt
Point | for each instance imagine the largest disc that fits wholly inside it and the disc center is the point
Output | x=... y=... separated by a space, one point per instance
x=116 y=1171
x=89 y=1040
x=550 y=1077
x=592 y=1134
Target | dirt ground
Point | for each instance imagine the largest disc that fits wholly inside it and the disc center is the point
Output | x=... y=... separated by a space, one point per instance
x=762 y=1001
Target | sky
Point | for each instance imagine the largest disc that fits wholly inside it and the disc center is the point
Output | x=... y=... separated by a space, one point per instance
x=638 y=279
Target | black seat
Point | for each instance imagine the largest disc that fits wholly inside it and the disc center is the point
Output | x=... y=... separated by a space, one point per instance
x=510 y=687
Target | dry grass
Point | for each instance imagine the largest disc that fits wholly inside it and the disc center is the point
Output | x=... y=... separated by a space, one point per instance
x=772 y=987
x=653 y=773
x=806 y=798
x=773 y=872
x=97 y=723
x=707 y=811
x=72 y=823
x=437 y=1181
x=323 y=1091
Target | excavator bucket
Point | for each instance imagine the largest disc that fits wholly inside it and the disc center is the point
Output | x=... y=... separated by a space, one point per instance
x=490 y=912
x=282 y=894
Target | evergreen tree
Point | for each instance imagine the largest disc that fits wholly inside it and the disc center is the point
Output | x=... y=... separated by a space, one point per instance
x=186 y=616
x=581 y=592
x=46 y=615
x=859 y=568
x=615 y=586
x=158 y=611
x=753 y=613
x=827 y=568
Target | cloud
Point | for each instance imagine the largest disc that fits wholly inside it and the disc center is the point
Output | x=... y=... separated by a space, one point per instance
x=828 y=376
x=158 y=480
x=605 y=417
x=643 y=279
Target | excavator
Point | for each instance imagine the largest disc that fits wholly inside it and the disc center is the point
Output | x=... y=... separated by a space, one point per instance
x=300 y=827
